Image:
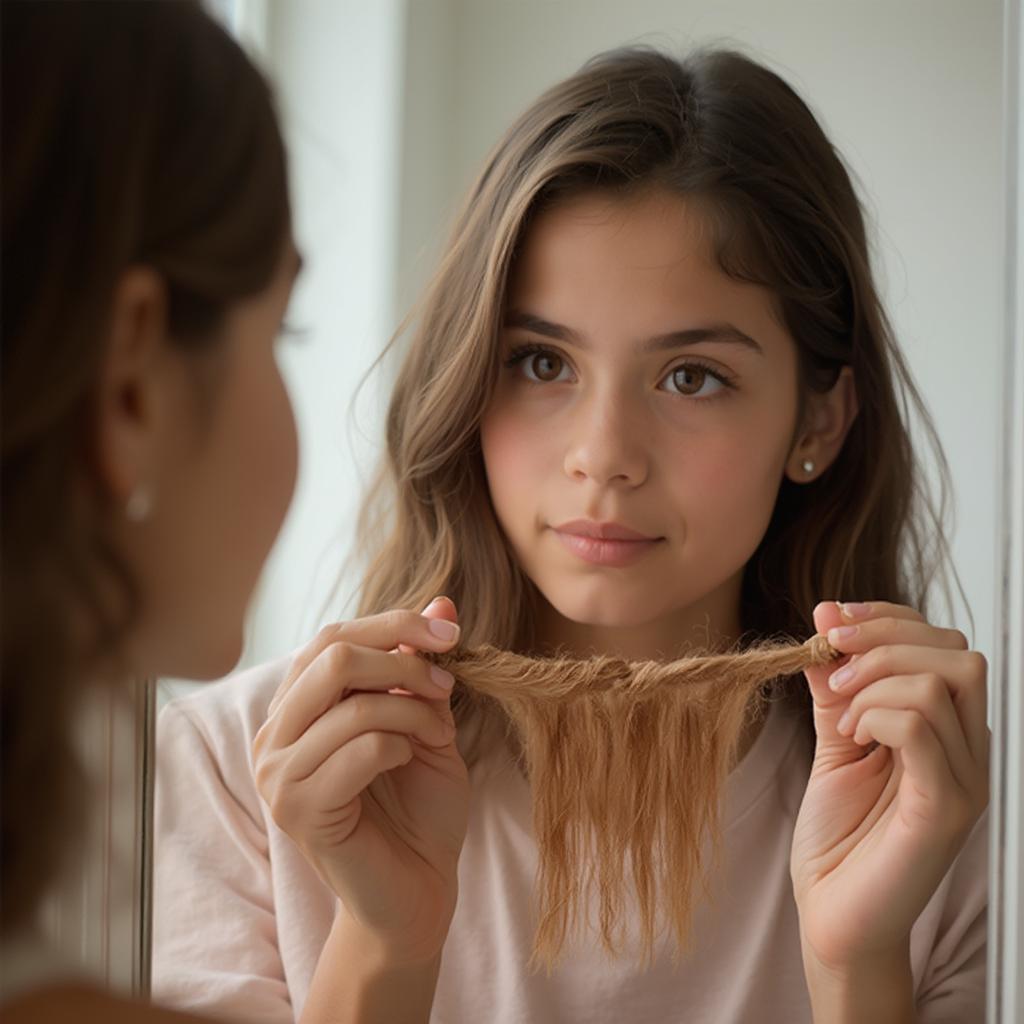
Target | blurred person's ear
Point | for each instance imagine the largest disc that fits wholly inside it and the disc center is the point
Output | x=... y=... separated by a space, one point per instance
x=134 y=375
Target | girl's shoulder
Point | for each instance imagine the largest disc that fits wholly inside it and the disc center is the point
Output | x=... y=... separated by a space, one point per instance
x=226 y=712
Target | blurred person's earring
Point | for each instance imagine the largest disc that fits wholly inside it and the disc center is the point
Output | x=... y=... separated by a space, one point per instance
x=808 y=466
x=139 y=505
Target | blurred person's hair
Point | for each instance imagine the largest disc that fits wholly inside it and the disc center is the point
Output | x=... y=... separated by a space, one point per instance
x=133 y=134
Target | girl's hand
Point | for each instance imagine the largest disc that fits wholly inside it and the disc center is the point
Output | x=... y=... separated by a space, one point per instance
x=357 y=763
x=880 y=826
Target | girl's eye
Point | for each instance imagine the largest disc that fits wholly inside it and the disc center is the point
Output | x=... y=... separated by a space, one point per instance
x=545 y=365
x=541 y=365
x=690 y=379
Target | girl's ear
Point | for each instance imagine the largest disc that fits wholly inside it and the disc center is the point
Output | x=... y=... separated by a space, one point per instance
x=827 y=420
x=130 y=385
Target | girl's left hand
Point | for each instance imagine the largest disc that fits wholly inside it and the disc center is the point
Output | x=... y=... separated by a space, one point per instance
x=880 y=826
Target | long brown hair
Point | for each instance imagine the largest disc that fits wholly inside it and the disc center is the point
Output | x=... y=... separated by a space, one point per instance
x=725 y=132
x=133 y=133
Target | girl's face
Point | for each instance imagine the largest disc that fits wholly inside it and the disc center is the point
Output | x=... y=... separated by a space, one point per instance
x=644 y=395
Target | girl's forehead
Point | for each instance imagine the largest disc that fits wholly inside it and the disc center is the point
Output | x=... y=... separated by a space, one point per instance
x=655 y=214
x=642 y=264
x=655 y=244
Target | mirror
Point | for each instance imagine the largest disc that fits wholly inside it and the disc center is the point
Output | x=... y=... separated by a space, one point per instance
x=389 y=110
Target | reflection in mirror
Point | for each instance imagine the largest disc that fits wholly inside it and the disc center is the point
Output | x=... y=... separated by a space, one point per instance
x=658 y=393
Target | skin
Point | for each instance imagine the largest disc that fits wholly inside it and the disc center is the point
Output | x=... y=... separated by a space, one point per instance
x=357 y=760
x=221 y=468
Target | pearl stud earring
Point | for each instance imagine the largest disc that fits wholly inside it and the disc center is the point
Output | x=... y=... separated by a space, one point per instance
x=139 y=505
x=808 y=466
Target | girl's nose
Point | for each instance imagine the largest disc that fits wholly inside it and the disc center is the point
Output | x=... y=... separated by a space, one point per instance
x=607 y=442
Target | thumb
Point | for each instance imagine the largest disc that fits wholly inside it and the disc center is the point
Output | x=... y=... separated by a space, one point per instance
x=440 y=608
x=832 y=749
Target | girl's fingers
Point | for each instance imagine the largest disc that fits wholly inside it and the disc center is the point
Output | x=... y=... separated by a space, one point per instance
x=338 y=670
x=360 y=714
x=384 y=632
x=828 y=614
x=388 y=630
x=929 y=696
x=892 y=640
x=329 y=798
x=439 y=608
x=922 y=754
x=893 y=629
x=962 y=673
x=860 y=611
x=301 y=660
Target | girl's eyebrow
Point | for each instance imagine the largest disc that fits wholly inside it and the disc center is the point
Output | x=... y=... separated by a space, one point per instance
x=674 y=339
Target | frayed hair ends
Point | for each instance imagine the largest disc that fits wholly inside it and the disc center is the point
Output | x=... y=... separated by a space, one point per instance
x=627 y=762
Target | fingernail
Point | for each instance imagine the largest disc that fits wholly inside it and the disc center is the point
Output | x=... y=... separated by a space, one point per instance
x=854 y=609
x=430 y=605
x=840 y=677
x=444 y=630
x=445 y=680
x=839 y=633
x=845 y=721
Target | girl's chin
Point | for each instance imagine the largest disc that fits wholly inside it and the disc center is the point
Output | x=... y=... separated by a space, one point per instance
x=609 y=613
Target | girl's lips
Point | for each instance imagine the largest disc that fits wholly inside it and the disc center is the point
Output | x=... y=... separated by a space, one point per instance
x=606 y=552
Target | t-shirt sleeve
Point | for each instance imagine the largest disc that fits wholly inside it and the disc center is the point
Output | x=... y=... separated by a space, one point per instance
x=952 y=989
x=215 y=946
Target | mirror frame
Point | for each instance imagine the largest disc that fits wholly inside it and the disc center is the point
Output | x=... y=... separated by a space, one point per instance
x=1005 y=985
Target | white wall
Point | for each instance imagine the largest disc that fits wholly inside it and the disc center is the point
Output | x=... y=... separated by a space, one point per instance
x=337 y=65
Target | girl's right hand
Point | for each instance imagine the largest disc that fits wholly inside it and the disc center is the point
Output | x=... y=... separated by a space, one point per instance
x=357 y=763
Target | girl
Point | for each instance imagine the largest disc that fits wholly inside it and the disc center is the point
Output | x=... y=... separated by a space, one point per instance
x=652 y=404
x=148 y=443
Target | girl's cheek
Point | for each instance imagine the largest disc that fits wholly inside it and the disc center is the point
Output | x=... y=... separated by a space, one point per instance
x=515 y=437
x=507 y=451
x=731 y=474
x=709 y=461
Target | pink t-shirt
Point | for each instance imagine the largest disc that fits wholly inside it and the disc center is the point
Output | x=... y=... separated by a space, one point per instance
x=240 y=917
